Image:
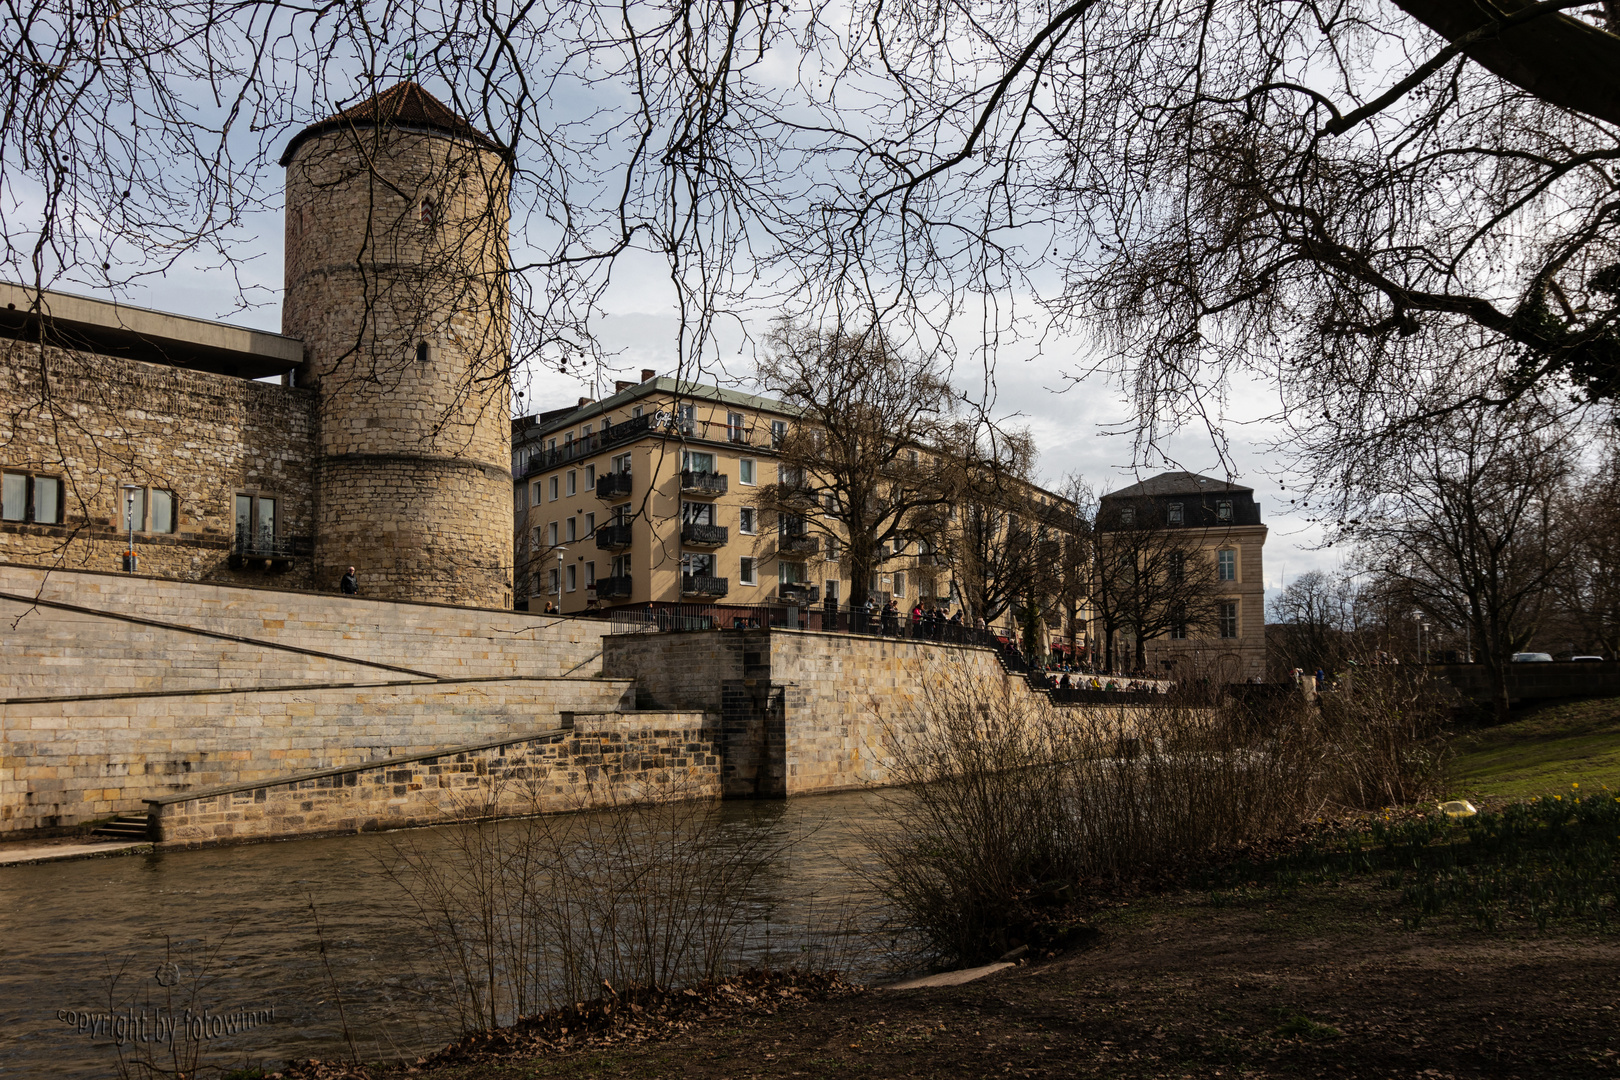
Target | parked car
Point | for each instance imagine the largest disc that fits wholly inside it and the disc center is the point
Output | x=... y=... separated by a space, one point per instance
x=1532 y=658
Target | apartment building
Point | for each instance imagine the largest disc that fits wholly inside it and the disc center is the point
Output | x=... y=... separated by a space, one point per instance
x=650 y=496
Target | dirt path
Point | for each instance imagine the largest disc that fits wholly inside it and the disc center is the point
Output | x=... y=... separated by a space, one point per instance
x=1325 y=983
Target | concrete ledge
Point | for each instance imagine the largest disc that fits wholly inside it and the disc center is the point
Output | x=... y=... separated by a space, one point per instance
x=949 y=978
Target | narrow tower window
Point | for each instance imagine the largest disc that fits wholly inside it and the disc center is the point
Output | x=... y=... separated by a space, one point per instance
x=421 y=352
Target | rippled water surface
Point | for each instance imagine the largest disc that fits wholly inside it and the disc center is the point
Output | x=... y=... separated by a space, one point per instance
x=67 y=930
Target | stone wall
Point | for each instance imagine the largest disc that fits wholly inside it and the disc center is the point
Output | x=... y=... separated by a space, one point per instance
x=67 y=760
x=53 y=650
x=601 y=760
x=1533 y=682
x=100 y=422
x=802 y=711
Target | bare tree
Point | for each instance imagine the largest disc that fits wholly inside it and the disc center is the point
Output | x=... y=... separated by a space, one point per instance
x=865 y=466
x=1588 y=584
x=1148 y=581
x=1470 y=530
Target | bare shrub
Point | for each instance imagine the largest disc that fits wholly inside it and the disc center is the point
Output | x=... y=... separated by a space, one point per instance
x=529 y=914
x=1014 y=806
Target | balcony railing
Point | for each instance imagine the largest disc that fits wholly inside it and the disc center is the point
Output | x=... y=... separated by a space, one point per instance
x=694 y=535
x=613 y=537
x=613 y=588
x=798 y=594
x=613 y=486
x=799 y=544
x=280 y=550
x=702 y=483
x=703 y=585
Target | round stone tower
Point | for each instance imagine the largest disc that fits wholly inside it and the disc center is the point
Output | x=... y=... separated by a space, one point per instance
x=396 y=264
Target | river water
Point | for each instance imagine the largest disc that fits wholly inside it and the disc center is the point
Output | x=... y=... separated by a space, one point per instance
x=229 y=932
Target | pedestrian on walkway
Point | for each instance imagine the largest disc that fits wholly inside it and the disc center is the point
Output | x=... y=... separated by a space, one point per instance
x=350 y=585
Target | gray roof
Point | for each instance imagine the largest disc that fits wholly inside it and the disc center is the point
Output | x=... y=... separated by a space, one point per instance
x=675 y=388
x=1176 y=483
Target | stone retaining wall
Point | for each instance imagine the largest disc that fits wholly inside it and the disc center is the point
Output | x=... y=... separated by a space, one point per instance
x=67 y=760
x=601 y=760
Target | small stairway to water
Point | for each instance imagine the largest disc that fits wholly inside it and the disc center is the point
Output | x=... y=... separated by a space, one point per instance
x=123 y=827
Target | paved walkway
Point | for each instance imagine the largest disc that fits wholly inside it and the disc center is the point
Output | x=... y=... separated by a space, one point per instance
x=38 y=851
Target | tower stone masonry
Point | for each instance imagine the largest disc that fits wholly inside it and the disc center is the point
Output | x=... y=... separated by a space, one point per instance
x=396 y=281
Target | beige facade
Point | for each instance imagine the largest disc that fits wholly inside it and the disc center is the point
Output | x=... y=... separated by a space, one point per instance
x=1221 y=520
x=649 y=496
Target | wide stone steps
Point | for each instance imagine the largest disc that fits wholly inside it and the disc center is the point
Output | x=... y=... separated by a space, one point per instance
x=124 y=827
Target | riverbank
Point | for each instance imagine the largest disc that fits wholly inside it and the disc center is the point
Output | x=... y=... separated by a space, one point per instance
x=1322 y=981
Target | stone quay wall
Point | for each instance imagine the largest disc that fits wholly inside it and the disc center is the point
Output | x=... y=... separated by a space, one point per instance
x=54 y=650
x=1531 y=682
x=68 y=760
x=601 y=760
x=804 y=711
x=99 y=422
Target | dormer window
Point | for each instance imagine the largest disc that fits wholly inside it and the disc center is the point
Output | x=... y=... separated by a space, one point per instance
x=1127 y=515
x=1175 y=513
x=1223 y=510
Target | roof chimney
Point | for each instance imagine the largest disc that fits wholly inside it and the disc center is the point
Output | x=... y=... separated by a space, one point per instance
x=584 y=401
x=648 y=374
x=621 y=385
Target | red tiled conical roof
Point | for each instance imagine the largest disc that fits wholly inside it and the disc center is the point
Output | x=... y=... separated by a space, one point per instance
x=404 y=105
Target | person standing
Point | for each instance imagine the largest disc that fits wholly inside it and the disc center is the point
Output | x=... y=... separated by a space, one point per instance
x=350 y=585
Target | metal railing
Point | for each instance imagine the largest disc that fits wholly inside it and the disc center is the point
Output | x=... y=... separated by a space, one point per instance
x=614 y=588
x=704 y=585
x=799 y=544
x=612 y=485
x=612 y=537
x=703 y=483
x=668 y=617
x=264 y=547
x=696 y=535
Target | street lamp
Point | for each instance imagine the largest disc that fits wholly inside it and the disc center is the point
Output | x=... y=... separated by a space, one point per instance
x=130 y=560
x=561 y=551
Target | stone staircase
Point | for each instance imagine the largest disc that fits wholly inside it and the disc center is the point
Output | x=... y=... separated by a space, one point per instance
x=124 y=827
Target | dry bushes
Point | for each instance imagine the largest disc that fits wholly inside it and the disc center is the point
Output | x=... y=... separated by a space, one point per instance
x=1014 y=805
x=526 y=915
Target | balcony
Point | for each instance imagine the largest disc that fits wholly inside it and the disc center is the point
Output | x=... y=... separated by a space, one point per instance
x=793 y=593
x=702 y=483
x=278 y=551
x=613 y=537
x=799 y=544
x=693 y=535
x=613 y=588
x=613 y=486
x=703 y=585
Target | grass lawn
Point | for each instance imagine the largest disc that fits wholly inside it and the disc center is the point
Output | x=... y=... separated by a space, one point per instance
x=1542 y=752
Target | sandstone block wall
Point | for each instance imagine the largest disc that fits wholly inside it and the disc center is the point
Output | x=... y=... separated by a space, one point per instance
x=67 y=760
x=801 y=711
x=603 y=760
x=100 y=422
x=49 y=650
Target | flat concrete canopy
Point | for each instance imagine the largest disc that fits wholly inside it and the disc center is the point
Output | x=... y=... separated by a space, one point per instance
x=136 y=333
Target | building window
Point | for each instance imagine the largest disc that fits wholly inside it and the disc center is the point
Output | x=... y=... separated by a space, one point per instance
x=590 y=575
x=573 y=482
x=590 y=477
x=551 y=534
x=552 y=490
x=1127 y=515
x=911 y=457
x=1175 y=513
x=1178 y=567
x=635 y=413
x=255 y=520
x=26 y=497
x=621 y=566
x=746 y=571
x=747 y=521
x=573 y=527
x=900 y=584
x=1223 y=510
x=585 y=432
x=1229 y=620
x=697 y=564
x=161 y=511
x=778 y=432
x=695 y=462
x=422 y=352
x=832 y=549
x=697 y=513
x=734 y=427
x=1178 y=626
x=537 y=496
x=573 y=577
x=745 y=471
x=621 y=465
x=791 y=573
x=590 y=526
x=829 y=591
x=686 y=419
x=552 y=578
x=551 y=445
x=1226 y=564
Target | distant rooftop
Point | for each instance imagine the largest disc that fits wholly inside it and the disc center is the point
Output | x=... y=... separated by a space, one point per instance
x=404 y=105
x=137 y=333
x=1176 y=483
